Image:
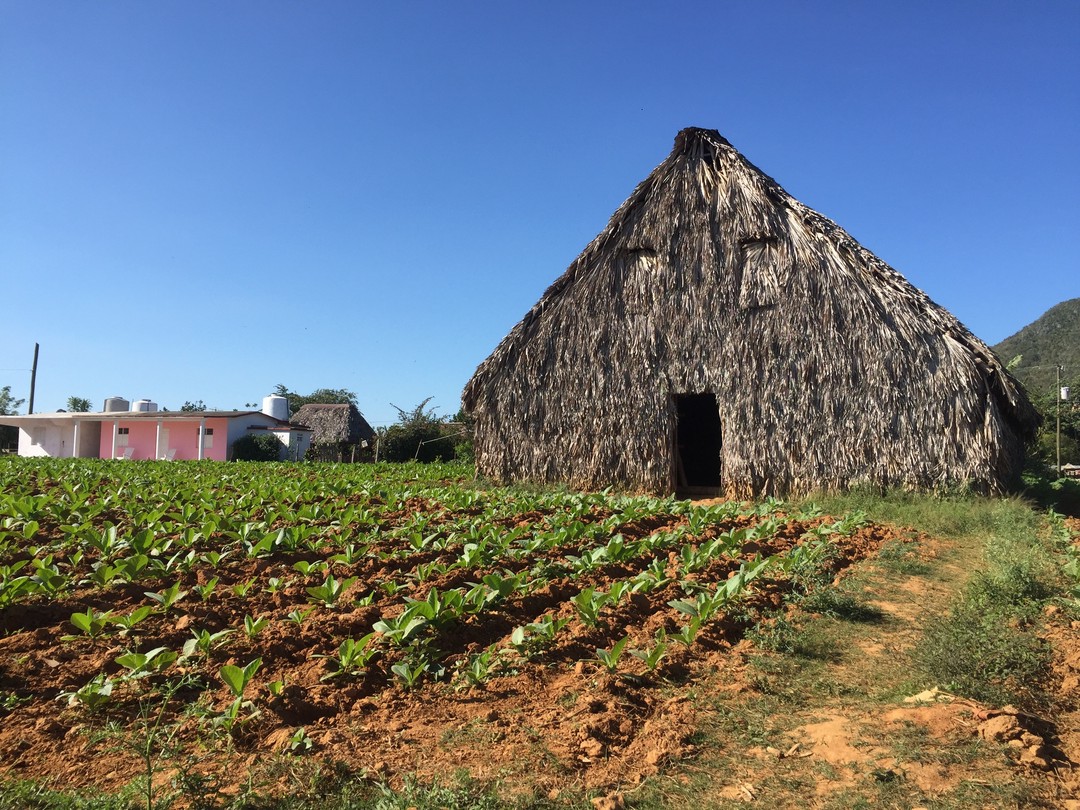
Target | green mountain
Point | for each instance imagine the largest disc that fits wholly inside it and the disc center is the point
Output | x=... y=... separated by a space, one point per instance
x=1052 y=340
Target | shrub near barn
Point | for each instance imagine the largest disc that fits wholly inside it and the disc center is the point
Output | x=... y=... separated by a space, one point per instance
x=418 y=434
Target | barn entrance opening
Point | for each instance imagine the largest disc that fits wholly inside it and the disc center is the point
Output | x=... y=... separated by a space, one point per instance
x=698 y=440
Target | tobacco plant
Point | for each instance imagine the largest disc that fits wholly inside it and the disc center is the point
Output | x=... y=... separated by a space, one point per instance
x=352 y=658
x=91 y=622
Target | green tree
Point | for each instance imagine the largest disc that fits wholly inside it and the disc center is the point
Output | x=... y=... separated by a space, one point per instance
x=321 y=396
x=8 y=404
x=1046 y=402
x=418 y=434
x=193 y=407
x=78 y=404
x=9 y=436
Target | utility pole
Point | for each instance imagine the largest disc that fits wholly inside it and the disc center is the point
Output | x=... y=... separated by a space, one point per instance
x=1059 y=398
x=33 y=380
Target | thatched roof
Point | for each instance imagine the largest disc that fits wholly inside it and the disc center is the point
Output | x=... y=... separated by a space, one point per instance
x=828 y=368
x=334 y=424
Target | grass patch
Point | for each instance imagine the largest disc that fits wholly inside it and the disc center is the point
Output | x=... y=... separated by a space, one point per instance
x=902 y=558
x=324 y=791
x=985 y=655
x=838 y=604
x=948 y=515
x=986 y=645
x=27 y=795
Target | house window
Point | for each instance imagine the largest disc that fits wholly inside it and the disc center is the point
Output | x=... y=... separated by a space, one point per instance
x=208 y=438
x=122 y=437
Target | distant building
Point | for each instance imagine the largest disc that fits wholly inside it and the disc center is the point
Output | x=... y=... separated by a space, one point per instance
x=139 y=431
x=339 y=430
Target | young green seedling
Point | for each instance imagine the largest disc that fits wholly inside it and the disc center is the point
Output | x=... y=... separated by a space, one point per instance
x=479 y=667
x=253 y=626
x=298 y=616
x=92 y=622
x=93 y=695
x=131 y=568
x=353 y=656
x=299 y=742
x=588 y=603
x=350 y=555
x=127 y=622
x=168 y=597
x=204 y=641
x=409 y=676
x=401 y=630
x=310 y=568
x=47 y=576
x=204 y=591
x=140 y=665
x=236 y=678
x=330 y=591
x=610 y=658
x=242 y=589
x=687 y=633
x=276 y=688
x=654 y=654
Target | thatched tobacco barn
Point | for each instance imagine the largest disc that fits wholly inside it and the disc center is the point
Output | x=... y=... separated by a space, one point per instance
x=719 y=335
x=338 y=431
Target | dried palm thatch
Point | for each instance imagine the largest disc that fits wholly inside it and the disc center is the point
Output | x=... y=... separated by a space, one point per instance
x=825 y=367
x=334 y=426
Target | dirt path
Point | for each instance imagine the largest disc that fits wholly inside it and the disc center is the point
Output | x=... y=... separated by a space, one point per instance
x=840 y=721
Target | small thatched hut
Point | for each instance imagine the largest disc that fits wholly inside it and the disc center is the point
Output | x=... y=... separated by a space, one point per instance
x=719 y=335
x=337 y=430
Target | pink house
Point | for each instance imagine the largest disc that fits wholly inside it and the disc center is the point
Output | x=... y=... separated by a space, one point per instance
x=140 y=431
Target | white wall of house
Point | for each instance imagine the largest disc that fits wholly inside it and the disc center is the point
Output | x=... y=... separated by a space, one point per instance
x=47 y=438
x=59 y=438
x=294 y=443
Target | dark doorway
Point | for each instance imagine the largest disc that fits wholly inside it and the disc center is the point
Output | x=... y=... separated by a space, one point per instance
x=697 y=444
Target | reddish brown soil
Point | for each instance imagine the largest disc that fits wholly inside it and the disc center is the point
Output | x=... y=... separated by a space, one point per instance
x=556 y=720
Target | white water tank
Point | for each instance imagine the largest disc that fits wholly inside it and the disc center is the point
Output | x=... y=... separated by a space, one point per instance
x=144 y=406
x=276 y=406
x=116 y=404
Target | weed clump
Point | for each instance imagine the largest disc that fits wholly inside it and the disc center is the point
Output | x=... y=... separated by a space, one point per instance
x=986 y=645
x=987 y=655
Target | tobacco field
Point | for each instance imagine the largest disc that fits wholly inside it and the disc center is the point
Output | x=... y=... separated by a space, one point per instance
x=197 y=625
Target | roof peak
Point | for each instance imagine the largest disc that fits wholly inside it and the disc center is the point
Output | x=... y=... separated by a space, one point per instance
x=693 y=139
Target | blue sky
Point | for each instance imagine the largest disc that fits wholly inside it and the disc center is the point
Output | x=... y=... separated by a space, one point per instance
x=201 y=200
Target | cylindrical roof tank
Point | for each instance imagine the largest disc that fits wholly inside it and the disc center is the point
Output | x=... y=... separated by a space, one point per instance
x=276 y=406
x=143 y=406
x=116 y=404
